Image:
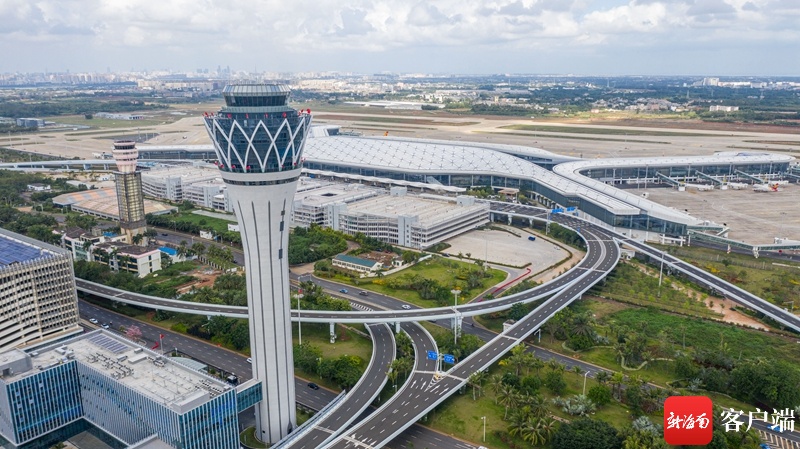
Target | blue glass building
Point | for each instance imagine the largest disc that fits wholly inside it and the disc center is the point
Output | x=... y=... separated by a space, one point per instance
x=104 y=382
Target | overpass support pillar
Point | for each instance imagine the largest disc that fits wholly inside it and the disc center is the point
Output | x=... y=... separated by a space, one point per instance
x=397 y=327
x=333 y=333
x=509 y=219
x=456 y=325
x=491 y=217
x=530 y=222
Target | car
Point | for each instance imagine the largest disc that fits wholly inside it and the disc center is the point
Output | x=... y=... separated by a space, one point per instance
x=163 y=234
x=775 y=428
x=406 y=306
x=344 y=290
x=313 y=386
x=104 y=326
x=363 y=293
x=249 y=360
x=93 y=320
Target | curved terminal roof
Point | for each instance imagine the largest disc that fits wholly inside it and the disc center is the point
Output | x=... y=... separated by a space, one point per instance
x=573 y=171
x=432 y=157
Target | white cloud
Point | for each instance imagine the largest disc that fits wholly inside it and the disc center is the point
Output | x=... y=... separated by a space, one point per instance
x=194 y=29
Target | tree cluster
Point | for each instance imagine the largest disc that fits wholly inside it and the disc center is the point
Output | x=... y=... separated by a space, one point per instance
x=314 y=243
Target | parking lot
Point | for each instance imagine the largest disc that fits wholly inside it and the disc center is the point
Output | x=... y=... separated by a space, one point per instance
x=507 y=249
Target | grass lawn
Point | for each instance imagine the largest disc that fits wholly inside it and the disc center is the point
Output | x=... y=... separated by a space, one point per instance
x=248 y=438
x=760 y=277
x=319 y=336
x=709 y=335
x=210 y=223
x=444 y=271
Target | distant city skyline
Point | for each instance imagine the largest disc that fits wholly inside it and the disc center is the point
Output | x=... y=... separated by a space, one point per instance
x=588 y=37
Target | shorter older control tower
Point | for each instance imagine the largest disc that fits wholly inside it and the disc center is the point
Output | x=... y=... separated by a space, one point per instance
x=129 y=189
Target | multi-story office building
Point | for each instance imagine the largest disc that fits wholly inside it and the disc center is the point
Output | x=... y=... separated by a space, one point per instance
x=37 y=291
x=129 y=189
x=130 y=393
x=259 y=142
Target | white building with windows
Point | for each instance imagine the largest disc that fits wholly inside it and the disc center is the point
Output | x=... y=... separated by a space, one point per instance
x=417 y=221
x=172 y=182
x=209 y=194
x=37 y=291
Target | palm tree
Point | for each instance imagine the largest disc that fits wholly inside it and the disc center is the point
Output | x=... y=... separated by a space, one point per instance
x=517 y=357
x=114 y=253
x=551 y=327
x=507 y=397
x=474 y=380
x=496 y=384
x=392 y=373
x=137 y=239
x=538 y=406
x=519 y=417
x=547 y=427
x=530 y=432
x=87 y=246
x=603 y=377
x=577 y=370
x=582 y=325
x=617 y=379
x=537 y=364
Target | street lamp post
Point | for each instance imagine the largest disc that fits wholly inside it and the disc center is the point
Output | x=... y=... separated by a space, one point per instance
x=584 y=382
x=483 y=418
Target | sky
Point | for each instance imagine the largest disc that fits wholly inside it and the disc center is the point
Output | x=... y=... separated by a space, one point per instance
x=581 y=37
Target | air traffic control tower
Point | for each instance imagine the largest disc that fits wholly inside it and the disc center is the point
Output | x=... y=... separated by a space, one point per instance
x=259 y=142
x=129 y=189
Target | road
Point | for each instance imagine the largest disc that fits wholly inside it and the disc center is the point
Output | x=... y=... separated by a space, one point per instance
x=359 y=397
x=379 y=429
x=404 y=405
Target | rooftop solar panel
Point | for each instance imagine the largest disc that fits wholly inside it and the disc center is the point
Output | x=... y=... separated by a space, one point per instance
x=13 y=251
x=109 y=344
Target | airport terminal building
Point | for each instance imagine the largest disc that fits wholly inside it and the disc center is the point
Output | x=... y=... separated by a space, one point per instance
x=603 y=190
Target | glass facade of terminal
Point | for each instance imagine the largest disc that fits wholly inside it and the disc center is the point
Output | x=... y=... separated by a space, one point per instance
x=532 y=188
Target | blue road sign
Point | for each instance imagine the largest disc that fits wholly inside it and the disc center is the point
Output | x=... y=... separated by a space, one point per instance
x=448 y=358
x=557 y=210
x=571 y=209
x=433 y=355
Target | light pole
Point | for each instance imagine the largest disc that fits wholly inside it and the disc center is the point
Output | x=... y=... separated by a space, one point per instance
x=539 y=331
x=584 y=382
x=486 y=246
x=483 y=418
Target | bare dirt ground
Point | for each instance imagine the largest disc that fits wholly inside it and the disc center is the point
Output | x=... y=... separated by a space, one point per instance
x=205 y=277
